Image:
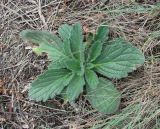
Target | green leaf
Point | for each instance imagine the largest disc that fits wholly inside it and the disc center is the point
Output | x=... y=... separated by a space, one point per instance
x=77 y=46
x=102 y=33
x=94 y=51
x=73 y=65
x=82 y=60
x=65 y=31
x=76 y=40
x=68 y=61
x=90 y=65
x=96 y=47
x=57 y=51
x=41 y=37
x=75 y=87
x=53 y=53
x=118 y=59
x=49 y=84
x=37 y=50
x=57 y=64
x=105 y=98
x=47 y=42
x=67 y=49
x=91 y=78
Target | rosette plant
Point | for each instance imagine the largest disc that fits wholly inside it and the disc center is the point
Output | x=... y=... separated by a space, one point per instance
x=79 y=65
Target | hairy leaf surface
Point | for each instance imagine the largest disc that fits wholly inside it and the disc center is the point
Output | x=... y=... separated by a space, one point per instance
x=47 y=42
x=75 y=87
x=65 y=31
x=57 y=64
x=94 y=51
x=105 y=98
x=57 y=51
x=118 y=58
x=49 y=84
x=96 y=46
x=41 y=37
x=77 y=40
x=73 y=65
x=91 y=78
x=102 y=33
x=67 y=48
x=77 y=46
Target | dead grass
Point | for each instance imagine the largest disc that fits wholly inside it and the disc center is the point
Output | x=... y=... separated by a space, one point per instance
x=138 y=23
